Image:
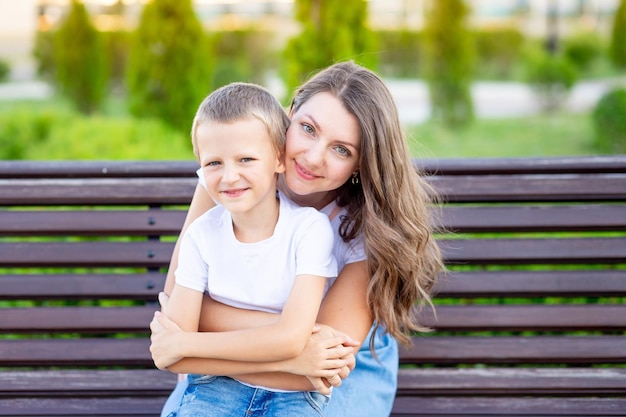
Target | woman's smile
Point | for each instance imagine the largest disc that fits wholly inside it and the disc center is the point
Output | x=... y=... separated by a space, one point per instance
x=305 y=173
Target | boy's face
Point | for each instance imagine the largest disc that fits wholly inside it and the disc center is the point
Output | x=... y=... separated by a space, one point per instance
x=239 y=164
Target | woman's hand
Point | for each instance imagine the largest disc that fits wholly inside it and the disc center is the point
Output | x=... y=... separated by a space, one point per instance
x=164 y=341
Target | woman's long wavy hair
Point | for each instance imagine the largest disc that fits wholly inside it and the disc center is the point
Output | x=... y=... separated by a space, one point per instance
x=392 y=204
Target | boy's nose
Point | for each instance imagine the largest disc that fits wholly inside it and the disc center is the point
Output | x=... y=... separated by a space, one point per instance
x=231 y=174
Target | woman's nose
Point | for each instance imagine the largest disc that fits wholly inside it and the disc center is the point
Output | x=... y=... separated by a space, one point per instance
x=315 y=154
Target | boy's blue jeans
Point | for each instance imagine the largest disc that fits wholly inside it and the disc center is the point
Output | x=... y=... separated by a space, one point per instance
x=221 y=396
x=369 y=391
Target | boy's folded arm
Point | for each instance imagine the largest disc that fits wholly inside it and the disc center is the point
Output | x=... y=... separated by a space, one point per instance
x=281 y=340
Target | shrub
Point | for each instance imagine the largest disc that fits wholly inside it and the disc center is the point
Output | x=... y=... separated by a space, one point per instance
x=609 y=121
x=583 y=49
x=618 y=37
x=451 y=54
x=79 y=60
x=551 y=76
x=5 y=70
x=401 y=53
x=497 y=51
x=117 y=49
x=332 y=30
x=112 y=138
x=242 y=55
x=170 y=64
x=22 y=128
x=43 y=52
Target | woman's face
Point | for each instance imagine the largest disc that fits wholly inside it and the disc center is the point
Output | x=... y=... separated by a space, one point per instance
x=322 y=151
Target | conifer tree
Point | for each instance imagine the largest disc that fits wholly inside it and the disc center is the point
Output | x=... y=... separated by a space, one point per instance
x=618 y=37
x=170 y=63
x=332 y=31
x=450 y=59
x=79 y=60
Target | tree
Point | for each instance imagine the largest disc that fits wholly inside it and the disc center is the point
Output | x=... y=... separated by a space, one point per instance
x=332 y=30
x=450 y=58
x=618 y=37
x=79 y=60
x=170 y=64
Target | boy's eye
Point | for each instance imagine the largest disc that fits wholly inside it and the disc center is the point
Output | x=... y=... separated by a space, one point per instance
x=213 y=163
x=247 y=159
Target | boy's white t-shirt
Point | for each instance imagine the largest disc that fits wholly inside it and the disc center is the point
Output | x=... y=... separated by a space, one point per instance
x=259 y=275
x=345 y=252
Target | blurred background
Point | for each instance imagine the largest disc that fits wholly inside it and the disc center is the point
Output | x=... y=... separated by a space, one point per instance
x=121 y=79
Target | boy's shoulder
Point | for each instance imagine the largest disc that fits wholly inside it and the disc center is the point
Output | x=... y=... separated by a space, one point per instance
x=298 y=213
x=211 y=218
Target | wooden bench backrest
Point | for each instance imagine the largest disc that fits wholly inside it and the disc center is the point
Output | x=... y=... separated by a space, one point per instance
x=536 y=250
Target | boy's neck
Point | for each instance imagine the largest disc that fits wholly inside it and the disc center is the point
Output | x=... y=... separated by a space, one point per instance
x=258 y=224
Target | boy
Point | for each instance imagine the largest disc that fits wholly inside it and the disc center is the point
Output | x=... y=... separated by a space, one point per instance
x=255 y=250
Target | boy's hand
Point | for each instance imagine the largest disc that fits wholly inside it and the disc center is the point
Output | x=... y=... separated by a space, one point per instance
x=164 y=341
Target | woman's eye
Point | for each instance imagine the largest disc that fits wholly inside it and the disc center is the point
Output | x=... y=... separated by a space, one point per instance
x=342 y=151
x=307 y=129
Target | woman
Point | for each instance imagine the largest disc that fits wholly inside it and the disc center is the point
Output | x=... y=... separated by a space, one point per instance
x=346 y=156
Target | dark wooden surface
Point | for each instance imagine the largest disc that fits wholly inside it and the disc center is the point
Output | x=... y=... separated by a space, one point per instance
x=530 y=319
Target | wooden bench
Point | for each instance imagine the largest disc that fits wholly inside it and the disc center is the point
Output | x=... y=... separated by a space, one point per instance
x=530 y=320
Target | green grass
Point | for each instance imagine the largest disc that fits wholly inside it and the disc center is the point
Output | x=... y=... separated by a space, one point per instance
x=52 y=130
x=560 y=134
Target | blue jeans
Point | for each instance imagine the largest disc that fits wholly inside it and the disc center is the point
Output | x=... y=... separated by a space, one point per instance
x=221 y=396
x=369 y=391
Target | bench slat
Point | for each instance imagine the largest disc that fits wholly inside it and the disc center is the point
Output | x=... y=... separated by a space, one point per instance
x=77 y=319
x=534 y=251
x=107 y=191
x=430 y=382
x=507 y=406
x=76 y=352
x=449 y=317
x=105 y=406
x=513 y=284
x=466 y=284
x=447 y=166
x=531 y=188
x=91 y=223
x=81 y=286
x=455 y=219
x=441 y=350
x=81 y=383
x=153 y=254
x=534 y=218
x=600 y=317
x=515 y=350
x=456 y=251
x=55 y=192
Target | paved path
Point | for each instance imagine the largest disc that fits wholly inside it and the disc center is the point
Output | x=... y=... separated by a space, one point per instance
x=495 y=99
x=491 y=99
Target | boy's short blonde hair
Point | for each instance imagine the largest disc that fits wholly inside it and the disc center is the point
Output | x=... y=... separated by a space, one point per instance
x=241 y=101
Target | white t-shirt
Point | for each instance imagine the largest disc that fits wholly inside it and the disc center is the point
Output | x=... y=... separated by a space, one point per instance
x=259 y=275
x=345 y=252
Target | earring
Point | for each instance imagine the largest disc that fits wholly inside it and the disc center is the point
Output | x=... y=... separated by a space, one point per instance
x=355 y=177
